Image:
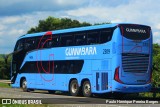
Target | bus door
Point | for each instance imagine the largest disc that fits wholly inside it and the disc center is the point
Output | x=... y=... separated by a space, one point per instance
x=14 y=72
x=17 y=59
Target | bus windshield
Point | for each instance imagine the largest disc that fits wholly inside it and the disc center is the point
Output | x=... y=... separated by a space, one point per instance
x=135 y=32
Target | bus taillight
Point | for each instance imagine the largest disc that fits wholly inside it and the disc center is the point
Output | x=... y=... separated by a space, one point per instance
x=116 y=75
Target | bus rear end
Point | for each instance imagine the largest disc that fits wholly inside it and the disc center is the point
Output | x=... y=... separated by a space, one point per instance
x=133 y=72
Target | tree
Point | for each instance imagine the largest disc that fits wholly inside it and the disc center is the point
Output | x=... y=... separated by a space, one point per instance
x=5 y=66
x=156 y=65
x=52 y=23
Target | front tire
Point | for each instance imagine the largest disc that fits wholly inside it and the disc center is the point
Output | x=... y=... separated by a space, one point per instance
x=86 y=89
x=74 y=88
x=24 y=85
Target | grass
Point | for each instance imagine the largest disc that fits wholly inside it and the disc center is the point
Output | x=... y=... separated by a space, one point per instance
x=149 y=95
x=4 y=85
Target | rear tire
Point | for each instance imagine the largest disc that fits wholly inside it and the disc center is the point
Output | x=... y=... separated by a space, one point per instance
x=86 y=89
x=74 y=88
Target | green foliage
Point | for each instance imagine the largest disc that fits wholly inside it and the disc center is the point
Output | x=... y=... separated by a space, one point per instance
x=52 y=23
x=149 y=95
x=5 y=62
x=102 y=23
x=1 y=57
x=5 y=85
x=156 y=65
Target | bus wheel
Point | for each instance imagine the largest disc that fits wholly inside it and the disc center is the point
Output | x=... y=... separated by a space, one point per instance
x=86 y=89
x=74 y=88
x=24 y=85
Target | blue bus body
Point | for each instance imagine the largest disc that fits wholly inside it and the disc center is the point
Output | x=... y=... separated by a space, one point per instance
x=122 y=64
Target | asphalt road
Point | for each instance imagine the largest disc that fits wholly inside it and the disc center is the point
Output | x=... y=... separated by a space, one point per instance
x=60 y=98
x=64 y=99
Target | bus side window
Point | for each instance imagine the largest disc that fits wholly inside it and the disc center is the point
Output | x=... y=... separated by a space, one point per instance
x=57 y=66
x=54 y=42
x=29 y=44
x=50 y=44
x=71 y=68
x=78 y=64
x=67 y=40
x=63 y=67
x=34 y=68
x=106 y=35
x=36 y=42
x=41 y=44
x=80 y=39
x=44 y=42
x=68 y=66
x=92 y=38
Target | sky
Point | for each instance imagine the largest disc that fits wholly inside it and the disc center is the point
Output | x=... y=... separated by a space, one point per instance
x=18 y=16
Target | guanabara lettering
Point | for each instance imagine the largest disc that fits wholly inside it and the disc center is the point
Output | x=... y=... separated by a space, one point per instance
x=80 y=51
x=135 y=30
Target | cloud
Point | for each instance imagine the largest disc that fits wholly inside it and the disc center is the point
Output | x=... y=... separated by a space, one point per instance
x=156 y=37
x=12 y=27
x=107 y=3
x=2 y=27
x=18 y=16
x=156 y=34
x=17 y=7
x=158 y=26
x=157 y=40
x=10 y=20
x=135 y=11
x=70 y=2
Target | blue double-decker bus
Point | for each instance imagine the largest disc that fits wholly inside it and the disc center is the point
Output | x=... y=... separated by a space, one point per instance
x=86 y=60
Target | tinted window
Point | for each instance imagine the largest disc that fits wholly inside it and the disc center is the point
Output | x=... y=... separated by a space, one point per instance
x=58 y=67
x=135 y=32
x=89 y=37
x=92 y=38
x=67 y=40
x=54 y=42
x=106 y=35
x=30 y=44
x=80 y=39
x=29 y=67
x=42 y=43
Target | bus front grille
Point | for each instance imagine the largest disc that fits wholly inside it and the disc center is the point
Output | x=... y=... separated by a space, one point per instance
x=133 y=62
